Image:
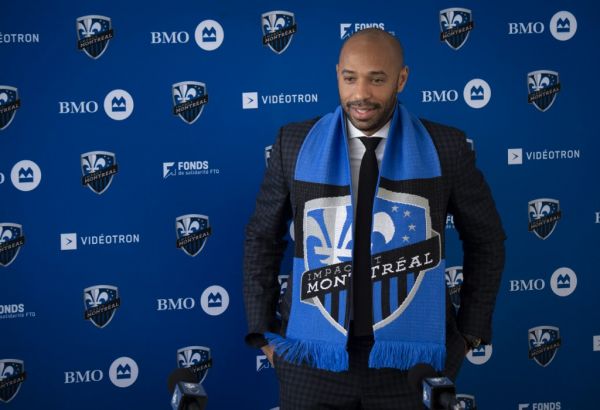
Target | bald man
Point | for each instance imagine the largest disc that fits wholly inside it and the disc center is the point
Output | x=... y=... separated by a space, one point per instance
x=368 y=188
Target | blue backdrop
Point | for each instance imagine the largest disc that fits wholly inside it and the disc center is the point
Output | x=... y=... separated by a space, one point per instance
x=109 y=283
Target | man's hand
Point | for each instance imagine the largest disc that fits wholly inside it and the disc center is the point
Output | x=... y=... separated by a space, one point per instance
x=268 y=351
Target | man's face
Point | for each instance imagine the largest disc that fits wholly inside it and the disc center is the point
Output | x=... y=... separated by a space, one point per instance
x=369 y=77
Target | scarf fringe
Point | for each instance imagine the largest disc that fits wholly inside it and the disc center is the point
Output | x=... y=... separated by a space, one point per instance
x=404 y=355
x=319 y=354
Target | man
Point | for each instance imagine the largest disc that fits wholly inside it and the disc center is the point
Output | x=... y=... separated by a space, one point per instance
x=368 y=188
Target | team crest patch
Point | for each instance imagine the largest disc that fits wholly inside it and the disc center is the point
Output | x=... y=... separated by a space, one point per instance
x=544 y=214
x=101 y=303
x=456 y=24
x=196 y=358
x=454 y=280
x=94 y=33
x=466 y=401
x=542 y=86
x=98 y=169
x=189 y=99
x=278 y=29
x=544 y=342
x=11 y=240
x=9 y=103
x=406 y=248
x=192 y=232
x=12 y=375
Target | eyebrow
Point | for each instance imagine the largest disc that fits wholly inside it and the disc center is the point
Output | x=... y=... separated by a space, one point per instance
x=346 y=71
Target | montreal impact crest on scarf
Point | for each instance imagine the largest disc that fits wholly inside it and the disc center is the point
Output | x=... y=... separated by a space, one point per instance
x=407 y=269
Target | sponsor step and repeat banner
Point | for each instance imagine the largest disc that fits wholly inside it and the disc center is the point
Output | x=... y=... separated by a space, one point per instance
x=133 y=141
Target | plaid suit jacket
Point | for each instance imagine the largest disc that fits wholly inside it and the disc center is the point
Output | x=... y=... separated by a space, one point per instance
x=466 y=196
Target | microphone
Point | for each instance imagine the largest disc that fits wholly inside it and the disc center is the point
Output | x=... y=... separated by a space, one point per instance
x=187 y=393
x=438 y=392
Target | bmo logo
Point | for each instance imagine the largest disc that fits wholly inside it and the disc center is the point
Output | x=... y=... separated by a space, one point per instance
x=434 y=96
x=172 y=37
x=527 y=285
x=178 y=304
x=87 y=376
x=77 y=107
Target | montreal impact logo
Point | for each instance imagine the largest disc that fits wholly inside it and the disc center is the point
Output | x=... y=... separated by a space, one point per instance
x=543 y=85
x=196 y=358
x=192 y=232
x=9 y=103
x=544 y=342
x=278 y=29
x=12 y=375
x=98 y=169
x=11 y=240
x=401 y=234
x=544 y=214
x=456 y=24
x=101 y=303
x=189 y=99
x=94 y=33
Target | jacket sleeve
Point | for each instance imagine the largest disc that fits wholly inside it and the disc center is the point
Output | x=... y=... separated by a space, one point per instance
x=480 y=230
x=264 y=248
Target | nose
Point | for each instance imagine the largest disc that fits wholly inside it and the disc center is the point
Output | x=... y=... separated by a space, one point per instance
x=363 y=90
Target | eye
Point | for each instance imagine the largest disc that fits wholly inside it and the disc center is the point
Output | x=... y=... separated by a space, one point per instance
x=349 y=80
x=378 y=81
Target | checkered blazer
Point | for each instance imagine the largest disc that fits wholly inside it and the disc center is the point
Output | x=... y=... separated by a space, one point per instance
x=465 y=195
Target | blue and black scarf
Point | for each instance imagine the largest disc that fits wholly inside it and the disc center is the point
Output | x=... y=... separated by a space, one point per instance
x=407 y=264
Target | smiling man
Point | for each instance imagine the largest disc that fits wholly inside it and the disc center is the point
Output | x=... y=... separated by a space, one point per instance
x=368 y=188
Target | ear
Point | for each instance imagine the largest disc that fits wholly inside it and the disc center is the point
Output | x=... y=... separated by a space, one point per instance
x=402 y=78
x=337 y=69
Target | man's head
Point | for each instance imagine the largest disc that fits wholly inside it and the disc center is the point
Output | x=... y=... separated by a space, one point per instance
x=370 y=72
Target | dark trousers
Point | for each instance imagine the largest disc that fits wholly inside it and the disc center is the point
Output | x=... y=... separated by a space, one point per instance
x=305 y=388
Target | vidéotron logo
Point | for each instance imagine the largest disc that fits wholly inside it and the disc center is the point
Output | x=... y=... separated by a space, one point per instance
x=196 y=358
x=101 y=303
x=192 y=231
x=278 y=29
x=94 y=33
x=542 y=85
x=544 y=342
x=189 y=99
x=544 y=214
x=98 y=168
x=9 y=103
x=118 y=104
x=456 y=24
x=214 y=300
x=26 y=175
x=123 y=372
x=12 y=375
x=11 y=240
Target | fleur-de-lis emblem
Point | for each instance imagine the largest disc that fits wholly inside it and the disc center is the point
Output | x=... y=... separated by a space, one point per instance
x=187 y=226
x=93 y=163
x=451 y=19
x=334 y=240
x=189 y=357
x=538 y=81
x=539 y=337
x=96 y=297
x=6 y=235
x=3 y=98
x=6 y=371
x=538 y=210
x=184 y=93
x=454 y=277
x=273 y=23
x=88 y=27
